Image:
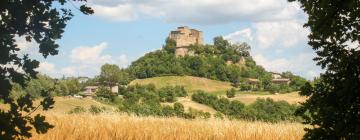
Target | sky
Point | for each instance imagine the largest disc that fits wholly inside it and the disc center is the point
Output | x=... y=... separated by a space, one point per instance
x=121 y=31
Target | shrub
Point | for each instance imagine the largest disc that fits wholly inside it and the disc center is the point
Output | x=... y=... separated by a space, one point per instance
x=199 y=114
x=263 y=109
x=169 y=93
x=270 y=111
x=76 y=110
x=230 y=93
x=218 y=115
x=96 y=110
x=104 y=93
x=245 y=86
x=179 y=108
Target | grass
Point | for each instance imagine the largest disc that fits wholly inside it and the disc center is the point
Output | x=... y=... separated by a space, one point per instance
x=124 y=127
x=112 y=125
x=249 y=97
x=190 y=83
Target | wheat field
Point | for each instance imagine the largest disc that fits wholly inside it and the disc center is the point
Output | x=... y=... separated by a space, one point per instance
x=123 y=127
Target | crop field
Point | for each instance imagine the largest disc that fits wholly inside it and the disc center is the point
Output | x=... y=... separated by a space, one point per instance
x=124 y=127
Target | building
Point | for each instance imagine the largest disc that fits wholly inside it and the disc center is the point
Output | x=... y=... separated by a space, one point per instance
x=83 y=79
x=276 y=75
x=184 y=37
x=90 y=90
x=254 y=83
x=282 y=81
x=278 y=79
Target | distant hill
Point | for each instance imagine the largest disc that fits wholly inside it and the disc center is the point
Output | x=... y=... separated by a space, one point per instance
x=190 y=83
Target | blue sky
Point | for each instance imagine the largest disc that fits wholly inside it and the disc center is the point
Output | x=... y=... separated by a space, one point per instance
x=121 y=31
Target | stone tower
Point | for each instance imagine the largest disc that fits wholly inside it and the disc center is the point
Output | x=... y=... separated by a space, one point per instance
x=185 y=37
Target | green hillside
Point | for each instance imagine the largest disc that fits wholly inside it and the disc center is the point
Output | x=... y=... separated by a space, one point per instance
x=190 y=83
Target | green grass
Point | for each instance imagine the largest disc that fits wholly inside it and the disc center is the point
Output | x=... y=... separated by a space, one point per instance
x=190 y=83
x=254 y=92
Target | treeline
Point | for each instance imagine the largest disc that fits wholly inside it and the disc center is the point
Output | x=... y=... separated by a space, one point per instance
x=43 y=83
x=261 y=110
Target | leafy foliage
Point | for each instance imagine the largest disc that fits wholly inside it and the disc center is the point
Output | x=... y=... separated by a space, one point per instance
x=209 y=61
x=230 y=93
x=146 y=101
x=261 y=110
x=333 y=104
x=96 y=110
x=39 y=21
x=77 y=109
x=112 y=75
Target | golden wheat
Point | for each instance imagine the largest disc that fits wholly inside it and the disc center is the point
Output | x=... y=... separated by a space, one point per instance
x=124 y=127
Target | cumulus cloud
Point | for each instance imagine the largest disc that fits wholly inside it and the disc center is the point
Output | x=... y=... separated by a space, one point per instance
x=199 y=11
x=121 y=12
x=300 y=64
x=279 y=46
x=46 y=67
x=84 y=61
x=90 y=54
x=26 y=47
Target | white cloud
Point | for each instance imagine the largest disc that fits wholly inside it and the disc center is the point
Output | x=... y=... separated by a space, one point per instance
x=90 y=55
x=279 y=46
x=46 y=67
x=116 y=13
x=284 y=33
x=300 y=64
x=245 y=35
x=199 y=11
x=26 y=47
x=84 y=61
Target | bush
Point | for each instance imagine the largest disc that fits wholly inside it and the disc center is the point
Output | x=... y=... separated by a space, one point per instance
x=198 y=114
x=270 y=111
x=76 y=110
x=96 y=110
x=230 y=93
x=104 y=93
x=245 y=86
x=169 y=93
x=218 y=115
x=263 y=109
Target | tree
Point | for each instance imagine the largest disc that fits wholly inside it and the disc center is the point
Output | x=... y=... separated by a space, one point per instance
x=170 y=45
x=112 y=75
x=221 y=44
x=41 y=21
x=334 y=101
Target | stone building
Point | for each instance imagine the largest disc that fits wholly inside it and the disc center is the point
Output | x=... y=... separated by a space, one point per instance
x=184 y=36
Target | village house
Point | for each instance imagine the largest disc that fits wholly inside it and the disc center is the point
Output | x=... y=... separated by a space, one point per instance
x=278 y=79
x=91 y=90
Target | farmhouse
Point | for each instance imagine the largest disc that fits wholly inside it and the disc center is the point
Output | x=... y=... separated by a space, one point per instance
x=278 y=79
x=90 y=90
x=184 y=37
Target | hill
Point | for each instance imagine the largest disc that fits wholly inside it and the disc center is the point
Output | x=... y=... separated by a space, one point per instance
x=190 y=83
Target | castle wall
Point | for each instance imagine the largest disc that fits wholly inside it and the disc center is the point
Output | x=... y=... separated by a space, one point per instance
x=184 y=37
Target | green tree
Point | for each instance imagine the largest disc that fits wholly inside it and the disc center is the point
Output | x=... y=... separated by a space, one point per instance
x=334 y=101
x=41 y=21
x=41 y=83
x=112 y=75
x=221 y=44
x=170 y=46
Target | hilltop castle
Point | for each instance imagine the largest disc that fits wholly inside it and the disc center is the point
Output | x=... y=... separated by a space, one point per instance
x=185 y=37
